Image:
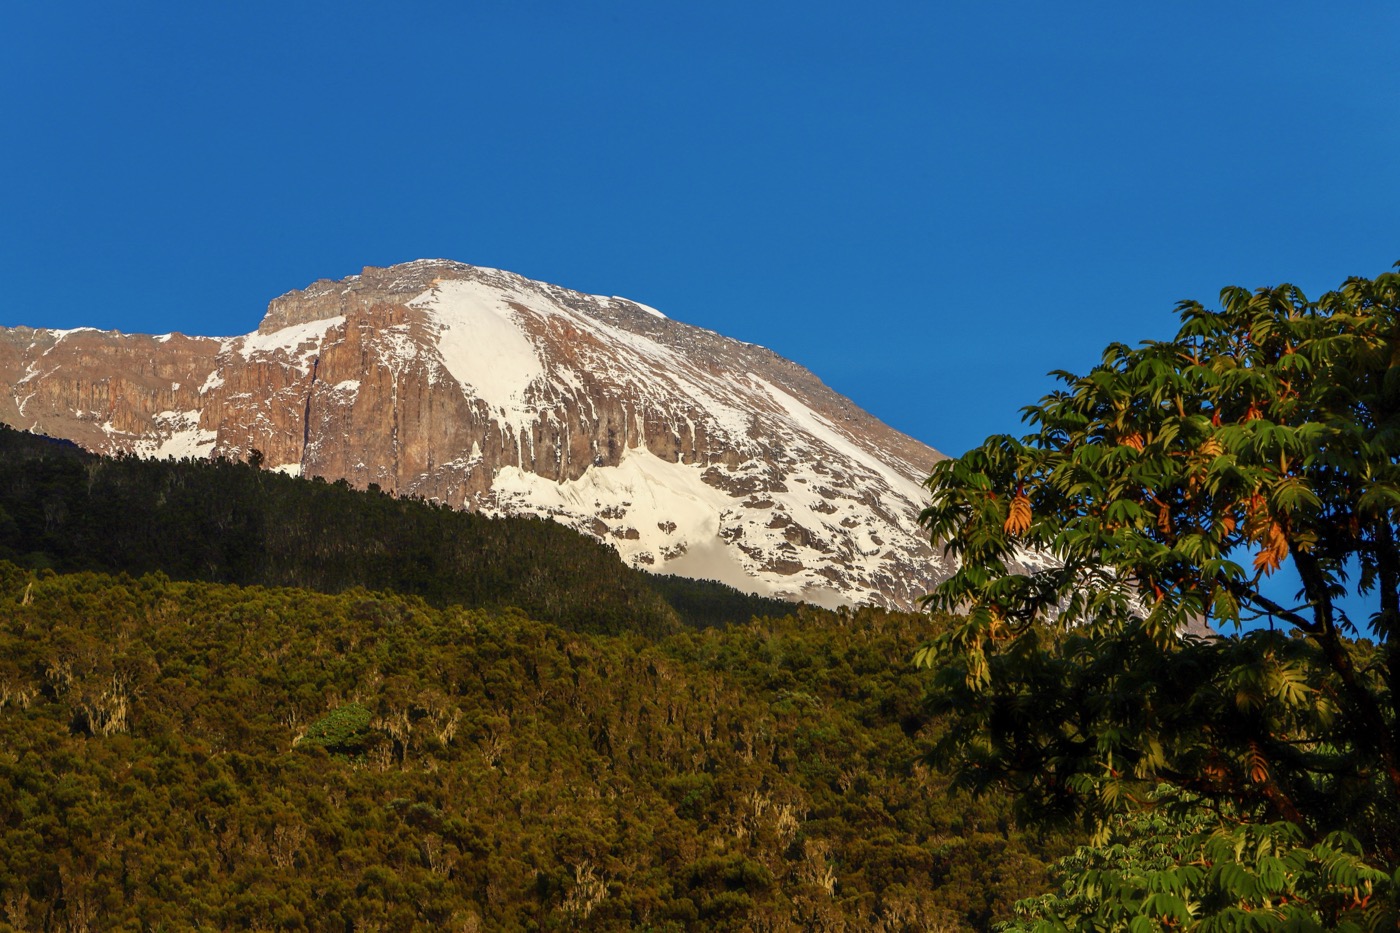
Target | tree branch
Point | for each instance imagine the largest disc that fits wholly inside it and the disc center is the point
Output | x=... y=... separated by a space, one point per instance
x=1371 y=725
x=1267 y=605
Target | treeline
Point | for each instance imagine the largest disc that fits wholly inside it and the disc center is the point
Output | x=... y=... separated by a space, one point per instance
x=179 y=755
x=704 y=603
x=228 y=522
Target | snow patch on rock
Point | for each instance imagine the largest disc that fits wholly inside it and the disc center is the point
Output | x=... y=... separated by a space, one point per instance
x=665 y=517
x=301 y=342
x=178 y=436
x=482 y=344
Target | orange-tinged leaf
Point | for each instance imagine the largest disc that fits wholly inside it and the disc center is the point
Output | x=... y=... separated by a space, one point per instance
x=1132 y=440
x=1258 y=767
x=998 y=630
x=1275 y=549
x=1164 y=518
x=1256 y=517
x=1210 y=447
x=1019 y=519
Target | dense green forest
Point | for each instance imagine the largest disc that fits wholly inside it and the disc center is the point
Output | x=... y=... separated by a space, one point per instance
x=177 y=755
x=231 y=699
x=228 y=522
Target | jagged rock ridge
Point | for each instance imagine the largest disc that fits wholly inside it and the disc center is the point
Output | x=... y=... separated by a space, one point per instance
x=691 y=452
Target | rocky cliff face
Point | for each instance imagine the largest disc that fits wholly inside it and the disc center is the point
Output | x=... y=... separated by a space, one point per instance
x=692 y=453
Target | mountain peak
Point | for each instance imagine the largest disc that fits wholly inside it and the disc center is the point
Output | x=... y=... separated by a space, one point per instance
x=689 y=452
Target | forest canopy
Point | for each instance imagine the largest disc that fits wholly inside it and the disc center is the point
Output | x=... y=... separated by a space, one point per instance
x=204 y=756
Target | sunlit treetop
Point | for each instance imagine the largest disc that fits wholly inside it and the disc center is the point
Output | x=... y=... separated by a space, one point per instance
x=1267 y=428
x=1159 y=491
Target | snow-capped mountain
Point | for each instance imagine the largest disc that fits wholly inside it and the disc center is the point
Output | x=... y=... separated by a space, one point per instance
x=690 y=452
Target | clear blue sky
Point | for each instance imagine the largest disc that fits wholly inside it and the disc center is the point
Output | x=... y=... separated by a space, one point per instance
x=928 y=204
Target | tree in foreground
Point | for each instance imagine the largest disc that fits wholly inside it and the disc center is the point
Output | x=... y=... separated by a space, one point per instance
x=1157 y=492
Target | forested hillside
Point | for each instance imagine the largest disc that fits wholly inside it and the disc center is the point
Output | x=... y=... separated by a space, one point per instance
x=223 y=521
x=182 y=755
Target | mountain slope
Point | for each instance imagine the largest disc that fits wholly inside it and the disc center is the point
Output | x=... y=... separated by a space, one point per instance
x=691 y=453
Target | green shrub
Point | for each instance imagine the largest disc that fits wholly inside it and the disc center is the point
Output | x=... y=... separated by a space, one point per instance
x=345 y=730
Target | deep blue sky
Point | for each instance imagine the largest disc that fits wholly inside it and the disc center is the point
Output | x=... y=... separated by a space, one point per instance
x=928 y=204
